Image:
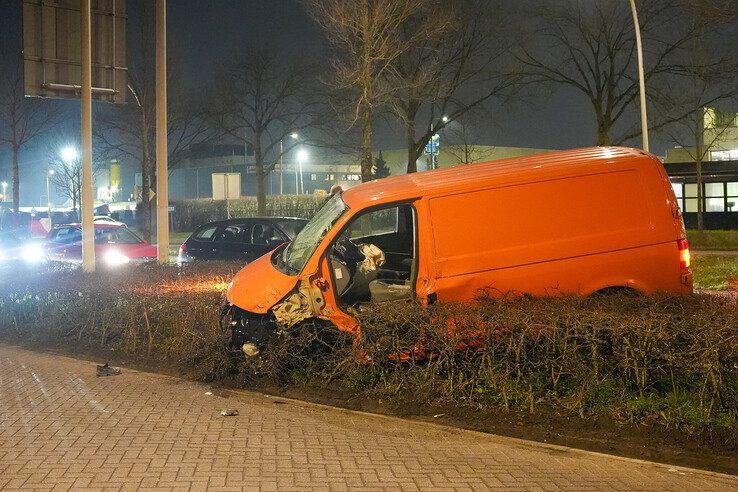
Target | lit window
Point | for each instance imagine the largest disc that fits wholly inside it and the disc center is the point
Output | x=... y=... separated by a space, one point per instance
x=714 y=190
x=678 y=189
x=314 y=177
x=724 y=155
x=715 y=205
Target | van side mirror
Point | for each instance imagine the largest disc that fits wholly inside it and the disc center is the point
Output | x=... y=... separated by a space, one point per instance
x=274 y=241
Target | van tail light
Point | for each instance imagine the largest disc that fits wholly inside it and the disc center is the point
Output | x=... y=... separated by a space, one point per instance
x=685 y=260
x=183 y=249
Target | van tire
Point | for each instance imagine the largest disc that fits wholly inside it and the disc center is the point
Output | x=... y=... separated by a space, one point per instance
x=617 y=290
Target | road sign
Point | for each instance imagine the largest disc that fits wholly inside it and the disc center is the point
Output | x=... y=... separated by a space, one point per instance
x=433 y=145
x=51 y=49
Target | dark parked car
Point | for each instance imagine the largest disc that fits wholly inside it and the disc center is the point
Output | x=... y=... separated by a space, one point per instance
x=239 y=239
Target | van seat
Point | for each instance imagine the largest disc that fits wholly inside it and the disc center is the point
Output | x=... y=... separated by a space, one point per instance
x=387 y=290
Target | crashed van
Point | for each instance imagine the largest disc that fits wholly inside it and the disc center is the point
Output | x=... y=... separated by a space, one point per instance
x=572 y=222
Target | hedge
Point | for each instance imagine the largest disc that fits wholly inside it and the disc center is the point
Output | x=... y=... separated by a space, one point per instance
x=666 y=360
x=190 y=214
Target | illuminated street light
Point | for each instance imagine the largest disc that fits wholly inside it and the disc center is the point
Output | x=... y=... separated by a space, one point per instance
x=445 y=119
x=295 y=136
x=69 y=154
x=49 y=174
x=302 y=156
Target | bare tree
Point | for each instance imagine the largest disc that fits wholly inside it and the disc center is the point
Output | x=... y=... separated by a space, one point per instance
x=590 y=47
x=688 y=103
x=463 y=146
x=22 y=119
x=67 y=177
x=368 y=39
x=721 y=11
x=458 y=59
x=262 y=100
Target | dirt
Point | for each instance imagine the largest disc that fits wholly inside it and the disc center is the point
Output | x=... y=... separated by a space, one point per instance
x=648 y=442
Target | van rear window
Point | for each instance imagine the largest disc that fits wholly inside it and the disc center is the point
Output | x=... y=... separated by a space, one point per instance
x=534 y=222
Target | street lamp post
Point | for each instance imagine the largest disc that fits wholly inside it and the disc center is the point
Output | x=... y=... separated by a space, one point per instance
x=641 y=77
x=302 y=156
x=49 y=174
x=295 y=136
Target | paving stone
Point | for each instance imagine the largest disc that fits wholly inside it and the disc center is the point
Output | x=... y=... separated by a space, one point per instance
x=62 y=427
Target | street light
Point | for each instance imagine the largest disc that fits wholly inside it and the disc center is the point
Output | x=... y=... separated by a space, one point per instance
x=69 y=154
x=281 y=164
x=642 y=80
x=49 y=174
x=302 y=156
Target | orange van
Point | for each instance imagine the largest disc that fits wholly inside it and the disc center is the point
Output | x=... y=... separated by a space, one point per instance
x=579 y=221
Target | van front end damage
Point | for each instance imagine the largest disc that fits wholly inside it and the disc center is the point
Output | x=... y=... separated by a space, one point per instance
x=251 y=333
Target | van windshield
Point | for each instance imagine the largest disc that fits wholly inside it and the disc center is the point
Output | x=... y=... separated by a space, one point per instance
x=299 y=251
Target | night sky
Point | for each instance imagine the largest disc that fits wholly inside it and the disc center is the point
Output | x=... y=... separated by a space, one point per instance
x=206 y=33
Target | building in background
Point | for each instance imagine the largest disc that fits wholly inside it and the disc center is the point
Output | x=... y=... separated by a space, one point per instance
x=321 y=168
x=720 y=136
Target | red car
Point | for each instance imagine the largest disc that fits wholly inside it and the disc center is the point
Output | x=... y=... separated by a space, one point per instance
x=114 y=245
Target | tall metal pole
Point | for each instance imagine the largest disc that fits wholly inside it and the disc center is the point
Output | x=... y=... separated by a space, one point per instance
x=644 y=115
x=162 y=167
x=281 y=166
x=48 y=194
x=88 y=196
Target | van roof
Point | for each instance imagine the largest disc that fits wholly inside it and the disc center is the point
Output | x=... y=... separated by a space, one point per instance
x=469 y=176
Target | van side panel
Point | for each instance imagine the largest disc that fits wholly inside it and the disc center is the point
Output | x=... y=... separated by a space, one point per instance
x=555 y=235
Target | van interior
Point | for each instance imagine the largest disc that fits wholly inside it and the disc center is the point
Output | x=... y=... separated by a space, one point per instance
x=375 y=257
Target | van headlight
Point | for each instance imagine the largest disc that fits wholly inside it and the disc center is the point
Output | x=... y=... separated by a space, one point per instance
x=116 y=258
x=33 y=253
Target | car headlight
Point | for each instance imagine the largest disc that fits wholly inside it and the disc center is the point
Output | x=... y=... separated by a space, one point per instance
x=33 y=253
x=116 y=258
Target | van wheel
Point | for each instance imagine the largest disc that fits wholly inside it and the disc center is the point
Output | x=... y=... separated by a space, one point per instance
x=617 y=291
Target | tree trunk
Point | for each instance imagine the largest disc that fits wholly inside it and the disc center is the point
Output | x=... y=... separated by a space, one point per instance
x=260 y=177
x=145 y=205
x=700 y=199
x=412 y=154
x=16 y=183
x=366 y=146
x=603 y=133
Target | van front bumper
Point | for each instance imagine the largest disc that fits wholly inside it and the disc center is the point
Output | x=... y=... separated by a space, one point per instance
x=249 y=332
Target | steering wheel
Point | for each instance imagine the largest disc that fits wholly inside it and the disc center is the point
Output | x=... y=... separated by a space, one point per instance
x=349 y=253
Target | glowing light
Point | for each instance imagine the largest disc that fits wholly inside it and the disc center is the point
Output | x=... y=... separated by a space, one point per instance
x=68 y=154
x=302 y=155
x=116 y=258
x=33 y=253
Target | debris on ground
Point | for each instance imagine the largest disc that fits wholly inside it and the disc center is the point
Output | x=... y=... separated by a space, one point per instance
x=208 y=393
x=229 y=412
x=107 y=370
x=438 y=415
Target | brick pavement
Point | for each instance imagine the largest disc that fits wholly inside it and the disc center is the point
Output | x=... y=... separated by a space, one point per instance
x=61 y=427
